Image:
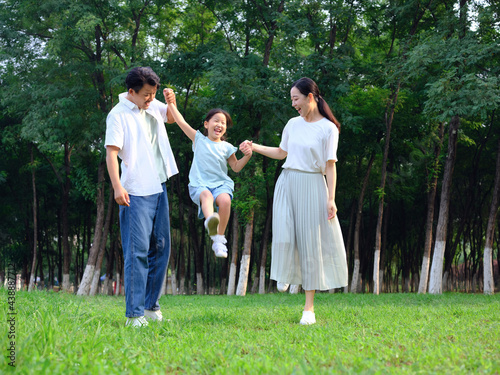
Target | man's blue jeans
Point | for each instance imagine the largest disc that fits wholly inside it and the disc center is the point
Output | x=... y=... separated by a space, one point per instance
x=145 y=231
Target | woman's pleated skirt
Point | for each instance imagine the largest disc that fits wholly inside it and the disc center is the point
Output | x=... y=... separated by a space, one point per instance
x=307 y=248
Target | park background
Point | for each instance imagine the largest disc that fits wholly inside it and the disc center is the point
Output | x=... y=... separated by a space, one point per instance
x=415 y=85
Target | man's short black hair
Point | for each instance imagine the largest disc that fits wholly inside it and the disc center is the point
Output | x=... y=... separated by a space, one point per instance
x=140 y=76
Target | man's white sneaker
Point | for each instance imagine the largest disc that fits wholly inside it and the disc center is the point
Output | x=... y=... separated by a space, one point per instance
x=153 y=315
x=219 y=246
x=308 y=317
x=212 y=223
x=136 y=322
x=283 y=287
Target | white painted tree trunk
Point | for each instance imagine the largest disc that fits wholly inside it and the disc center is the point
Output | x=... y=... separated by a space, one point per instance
x=105 y=286
x=376 y=272
x=436 y=276
x=199 y=284
x=422 y=287
x=355 y=277
x=436 y=282
x=243 y=280
x=262 y=280
x=31 y=284
x=182 y=282
x=87 y=277
x=444 y=284
x=94 y=287
x=488 y=281
x=117 y=284
x=164 y=285
x=231 y=285
x=489 y=285
x=174 y=284
x=294 y=289
x=66 y=283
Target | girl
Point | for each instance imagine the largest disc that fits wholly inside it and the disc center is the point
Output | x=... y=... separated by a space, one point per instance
x=307 y=245
x=208 y=179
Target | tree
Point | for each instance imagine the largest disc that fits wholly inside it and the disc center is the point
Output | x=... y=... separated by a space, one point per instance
x=489 y=285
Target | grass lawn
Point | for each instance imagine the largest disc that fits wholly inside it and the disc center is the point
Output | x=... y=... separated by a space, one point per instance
x=57 y=333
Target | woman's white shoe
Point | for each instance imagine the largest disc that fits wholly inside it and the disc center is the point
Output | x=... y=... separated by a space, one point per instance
x=308 y=317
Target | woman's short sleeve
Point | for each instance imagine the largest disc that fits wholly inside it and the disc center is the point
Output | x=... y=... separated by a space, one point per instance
x=284 y=138
x=332 y=144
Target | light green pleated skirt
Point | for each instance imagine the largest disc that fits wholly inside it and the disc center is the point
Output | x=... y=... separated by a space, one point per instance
x=307 y=248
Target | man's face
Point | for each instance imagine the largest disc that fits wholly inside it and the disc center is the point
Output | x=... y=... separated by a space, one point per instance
x=143 y=97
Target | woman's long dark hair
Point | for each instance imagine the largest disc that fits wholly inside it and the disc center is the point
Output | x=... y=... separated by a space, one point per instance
x=307 y=85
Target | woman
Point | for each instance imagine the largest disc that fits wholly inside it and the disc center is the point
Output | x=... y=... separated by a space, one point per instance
x=307 y=246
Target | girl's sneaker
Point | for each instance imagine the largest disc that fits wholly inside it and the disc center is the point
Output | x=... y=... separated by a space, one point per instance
x=212 y=223
x=219 y=246
x=283 y=287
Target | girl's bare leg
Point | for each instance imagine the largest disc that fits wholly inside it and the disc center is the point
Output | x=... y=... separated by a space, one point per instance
x=207 y=203
x=223 y=201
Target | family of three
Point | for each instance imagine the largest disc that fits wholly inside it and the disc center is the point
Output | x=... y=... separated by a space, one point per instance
x=307 y=243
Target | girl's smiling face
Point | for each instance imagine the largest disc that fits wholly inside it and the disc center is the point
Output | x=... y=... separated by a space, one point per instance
x=216 y=127
x=301 y=102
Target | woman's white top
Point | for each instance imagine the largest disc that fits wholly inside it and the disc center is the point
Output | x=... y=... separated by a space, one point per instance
x=309 y=144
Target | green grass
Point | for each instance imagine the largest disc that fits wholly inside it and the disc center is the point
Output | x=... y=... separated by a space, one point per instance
x=60 y=333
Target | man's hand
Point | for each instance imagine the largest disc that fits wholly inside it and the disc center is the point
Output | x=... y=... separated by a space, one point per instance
x=121 y=197
x=169 y=96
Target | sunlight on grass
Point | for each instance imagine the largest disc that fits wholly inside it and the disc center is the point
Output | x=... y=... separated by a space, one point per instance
x=59 y=333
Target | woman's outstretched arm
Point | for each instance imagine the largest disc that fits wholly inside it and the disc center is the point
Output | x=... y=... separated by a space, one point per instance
x=270 y=152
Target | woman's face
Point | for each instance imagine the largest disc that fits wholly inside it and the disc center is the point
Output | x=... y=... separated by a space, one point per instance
x=301 y=102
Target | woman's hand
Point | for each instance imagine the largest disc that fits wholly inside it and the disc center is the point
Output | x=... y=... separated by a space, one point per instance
x=332 y=209
x=246 y=148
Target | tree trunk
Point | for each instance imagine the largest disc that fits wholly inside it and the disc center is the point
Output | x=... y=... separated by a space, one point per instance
x=173 y=279
x=357 y=228
x=66 y=284
x=389 y=116
x=104 y=240
x=489 y=283
x=35 y=222
x=435 y=283
x=245 y=258
x=117 y=284
x=431 y=203
x=271 y=33
x=231 y=285
x=88 y=275
x=198 y=251
x=265 y=240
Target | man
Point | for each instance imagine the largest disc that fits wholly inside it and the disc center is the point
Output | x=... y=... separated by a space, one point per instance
x=136 y=133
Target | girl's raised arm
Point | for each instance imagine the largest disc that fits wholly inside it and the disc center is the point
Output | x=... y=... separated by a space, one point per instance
x=179 y=119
